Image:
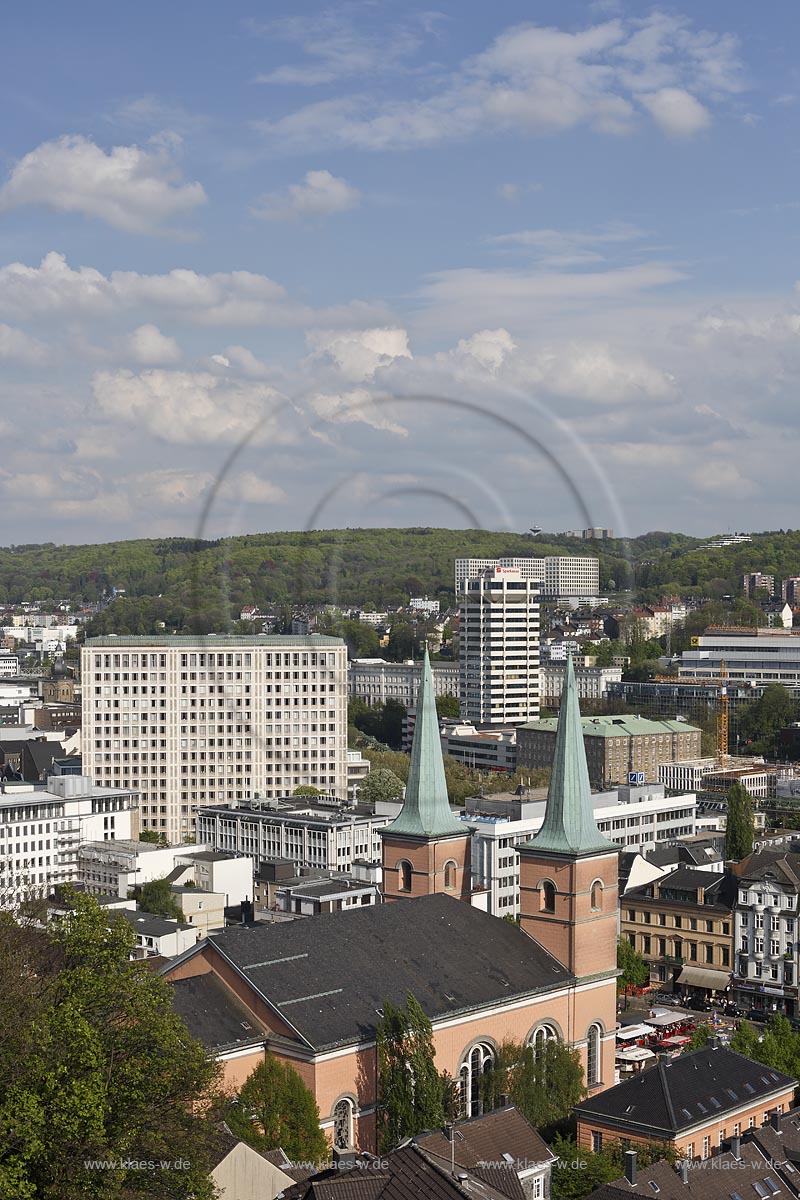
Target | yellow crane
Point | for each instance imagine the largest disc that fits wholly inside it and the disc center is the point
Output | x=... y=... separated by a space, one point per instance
x=722 y=716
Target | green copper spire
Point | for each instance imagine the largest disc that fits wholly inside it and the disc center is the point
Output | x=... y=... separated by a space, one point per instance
x=569 y=825
x=426 y=810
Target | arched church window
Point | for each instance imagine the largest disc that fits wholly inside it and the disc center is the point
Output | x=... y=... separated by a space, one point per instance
x=597 y=896
x=343 y=1125
x=450 y=875
x=479 y=1060
x=404 y=872
x=593 y=1055
x=547 y=896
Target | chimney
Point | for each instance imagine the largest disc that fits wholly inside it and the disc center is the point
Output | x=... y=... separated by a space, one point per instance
x=343 y=1159
x=736 y=1146
x=683 y=1168
x=630 y=1167
x=775 y=1119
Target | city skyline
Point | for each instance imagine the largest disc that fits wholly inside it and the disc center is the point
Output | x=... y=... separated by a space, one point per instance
x=564 y=231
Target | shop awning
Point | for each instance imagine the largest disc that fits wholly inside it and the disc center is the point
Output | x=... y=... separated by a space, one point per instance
x=662 y=1020
x=634 y=1054
x=633 y=1031
x=705 y=977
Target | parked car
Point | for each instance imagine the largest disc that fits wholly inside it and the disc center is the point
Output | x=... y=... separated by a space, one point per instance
x=666 y=998
x=758 y=1015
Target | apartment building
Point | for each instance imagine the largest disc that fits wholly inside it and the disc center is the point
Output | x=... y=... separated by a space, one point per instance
x=479 y=749
x=374 y=680
x=617 y=748
x=559 y=577
x=593 y=682
x=499 y=644
x=192 y=721
x=308 y=835
x=635 y=818
x=683 y=926
x=767 y=946
x=43 y=827
x=757 y=581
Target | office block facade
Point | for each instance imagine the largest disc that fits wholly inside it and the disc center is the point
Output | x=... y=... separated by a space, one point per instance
x=499 y=643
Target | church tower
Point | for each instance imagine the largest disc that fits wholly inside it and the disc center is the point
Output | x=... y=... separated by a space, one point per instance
x=426 y=849
x=569 y=871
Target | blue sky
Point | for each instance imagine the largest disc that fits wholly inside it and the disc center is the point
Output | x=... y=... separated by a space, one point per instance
x=569 y=230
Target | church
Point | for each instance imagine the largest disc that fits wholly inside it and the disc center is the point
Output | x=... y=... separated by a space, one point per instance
x=311 y=991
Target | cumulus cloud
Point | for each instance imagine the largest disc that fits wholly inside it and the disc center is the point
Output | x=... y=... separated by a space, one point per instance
x=677 y=112
x=17 y=346
x=150 y=347
x=319 y=195
x=542 y=80
x=134 y=190
x=357 y=406
x=184 y=407
x=489 y=348
x=358 y=354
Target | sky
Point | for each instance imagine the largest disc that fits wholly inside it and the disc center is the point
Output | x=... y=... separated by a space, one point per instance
x=269 y=267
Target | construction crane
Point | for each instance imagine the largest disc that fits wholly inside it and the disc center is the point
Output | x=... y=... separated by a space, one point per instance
x=722 y=716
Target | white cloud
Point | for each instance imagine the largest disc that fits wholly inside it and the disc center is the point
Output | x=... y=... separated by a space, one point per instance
x=319 y=195
x=358 y=354
x=676 y=112
x=184 y=407
x=20 y=347
x=489 y=348
x=560 y=247
x=541 y=80
x=150 y=347
x=132 y=189
x=357 y=406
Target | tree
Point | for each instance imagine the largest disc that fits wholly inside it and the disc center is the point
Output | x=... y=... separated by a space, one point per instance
x=698 y=1039
x=573 y=1182
x=635 y=971
x=545 y=1082
x=380 y=785
x=778 y=1047
x=101 y=1067
x=152 y=836
x=275 y=1110
x=448 y=706
x=762 y=720
x=306 y=789
x=740 y=824
x=156 y=897
x=411 y=1094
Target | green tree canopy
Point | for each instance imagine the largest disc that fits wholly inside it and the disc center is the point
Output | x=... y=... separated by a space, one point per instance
x=99 y=1067
x=411 y=1094
x=778 y=1047
x=545 y=1083
x=740 y=823
x=448 y=706
x=380 y=785
x=635 y=971
x=762 y=720
x=577 y=1172
x=156 y=897
x=275 y=1110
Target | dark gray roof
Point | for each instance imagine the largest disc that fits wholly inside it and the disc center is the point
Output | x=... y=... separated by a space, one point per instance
x=721 y=1177
x=330 y=977
x=782 y=864
x=149 y=924
x=212 y=1015
x=683 y=1092
x=404 y=1173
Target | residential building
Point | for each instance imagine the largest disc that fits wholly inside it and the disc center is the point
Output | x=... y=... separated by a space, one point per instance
x=619 y=749
x=691 y=1103
x=227 y=875
x=162 y=937
x=479 y=749
x=727 y=539
x=357 y=771
x=374 y=680
x=9 y=666
x=203 y=910
x=682 y=925
x=115 y=867
x=708 y=774
x=193 y=721
x=790 y=590
x=43 y=827
x=569 y=577
x=593 y=682
x=499 y=646
x=757 y=581
x=311 y=897
x=479 y=980
x=424 y=605
x=767 y=932
x=309 y=834
x=596 y=533
x=758 y=655
x=637 y=819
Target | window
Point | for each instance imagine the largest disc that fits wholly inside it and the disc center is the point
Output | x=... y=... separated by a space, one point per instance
x=404 y=872
x=597 y=1141
x=538 y=1188
x=597 y=896
x=450 y=875
x=690 y=1150
x=593 y=1055
x=343 y=1125
x=547 y=894
x=542 y=1035
x=479 y=1060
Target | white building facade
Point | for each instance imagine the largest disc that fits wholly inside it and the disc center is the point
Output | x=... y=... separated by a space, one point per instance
x=762 y=656
x=374 y=680
x=559 y=577
x=193 y=721
x=592 y=682
x=499 y=647
x=766 y=933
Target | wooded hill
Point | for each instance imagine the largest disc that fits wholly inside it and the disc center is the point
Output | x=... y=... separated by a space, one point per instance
x=204 y=584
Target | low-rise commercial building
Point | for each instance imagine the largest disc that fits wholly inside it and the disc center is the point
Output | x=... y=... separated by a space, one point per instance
x=617 y=747
x=593 y=682
x=479 y=749
x=374 y=680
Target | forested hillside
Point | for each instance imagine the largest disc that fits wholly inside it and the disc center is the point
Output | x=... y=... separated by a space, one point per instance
x=187 y=583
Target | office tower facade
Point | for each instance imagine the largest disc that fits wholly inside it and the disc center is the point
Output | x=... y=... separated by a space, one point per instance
x=573 y=577
x=190 y=721
x=499 y=648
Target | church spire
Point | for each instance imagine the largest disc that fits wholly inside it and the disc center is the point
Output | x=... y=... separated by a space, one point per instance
x=569 y=825
x=426 y=809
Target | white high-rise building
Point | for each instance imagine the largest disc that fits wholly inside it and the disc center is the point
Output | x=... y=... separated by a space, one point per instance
x=559 y=577
x=499 y=648
x=193 y=721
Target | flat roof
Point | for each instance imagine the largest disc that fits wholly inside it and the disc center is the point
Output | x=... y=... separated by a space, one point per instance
x=212 y=641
